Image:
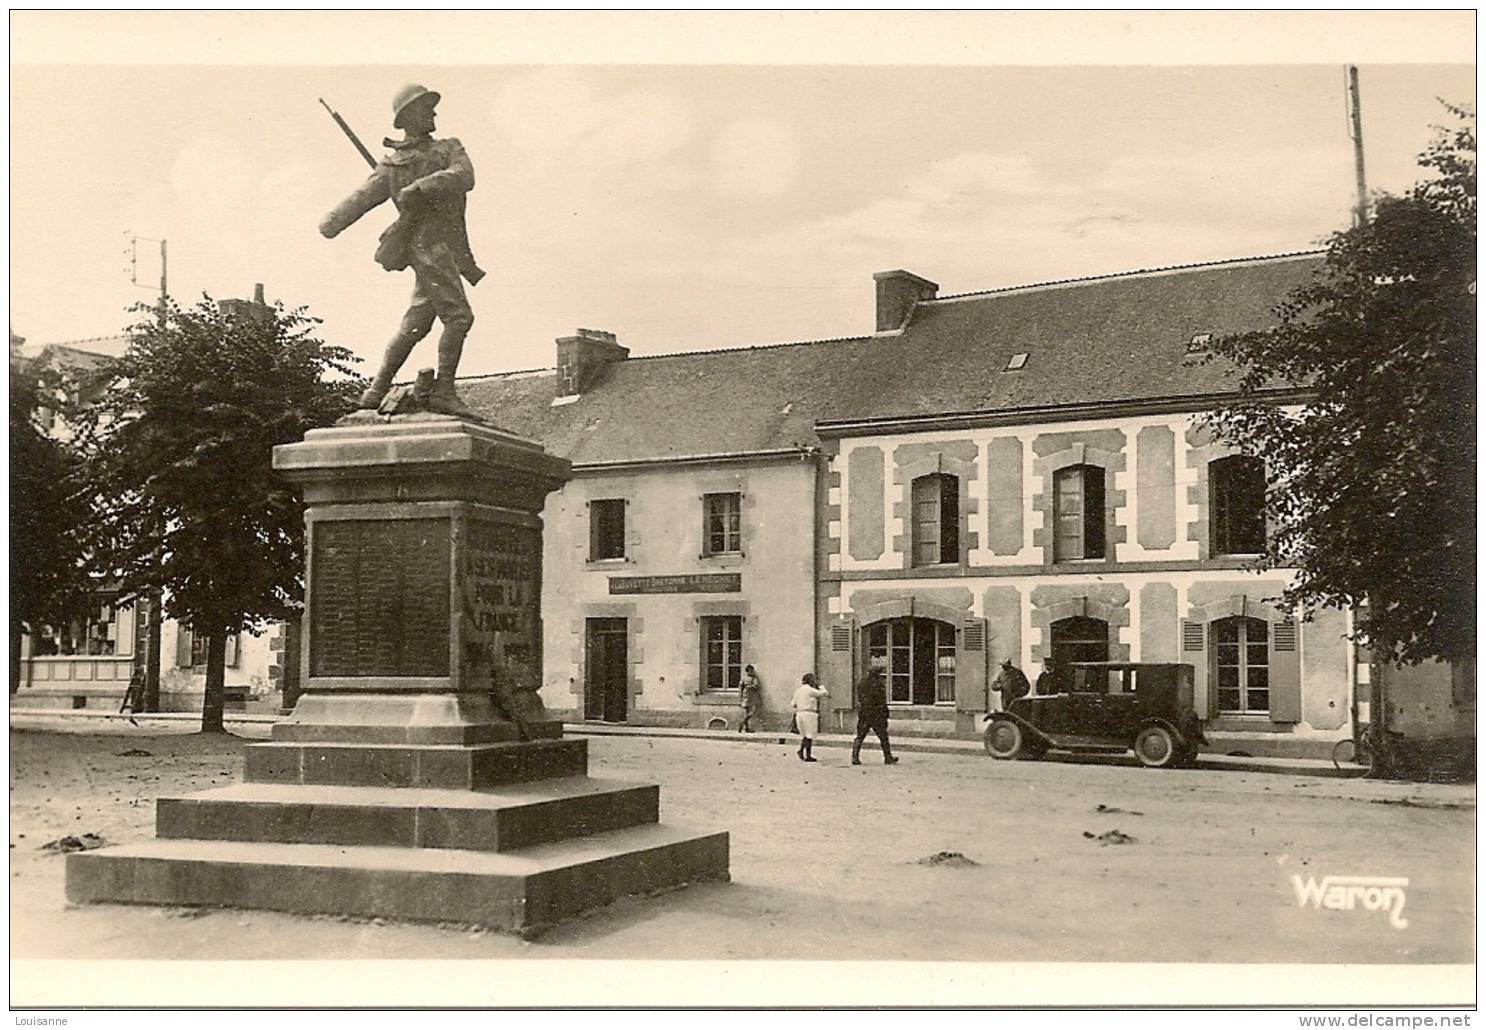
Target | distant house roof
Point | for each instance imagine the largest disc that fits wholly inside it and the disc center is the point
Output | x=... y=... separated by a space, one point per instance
x=1112 y=339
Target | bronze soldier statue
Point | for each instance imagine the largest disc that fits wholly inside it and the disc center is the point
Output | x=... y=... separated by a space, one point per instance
x=426 y=179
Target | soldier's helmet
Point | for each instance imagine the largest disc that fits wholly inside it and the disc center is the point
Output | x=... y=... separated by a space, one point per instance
x=408 y=96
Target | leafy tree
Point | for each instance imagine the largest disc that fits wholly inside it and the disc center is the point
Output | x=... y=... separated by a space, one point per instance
x=179 y=456
x=1372 y=485
x=46 y=573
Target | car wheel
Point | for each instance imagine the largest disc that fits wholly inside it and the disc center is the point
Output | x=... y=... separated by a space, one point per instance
x=1156 y=747
x=1005 y=740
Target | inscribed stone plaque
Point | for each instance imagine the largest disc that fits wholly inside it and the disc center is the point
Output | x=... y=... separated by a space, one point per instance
x=379 y=598
x=503 y=586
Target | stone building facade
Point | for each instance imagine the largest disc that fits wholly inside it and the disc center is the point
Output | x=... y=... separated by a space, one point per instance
x=1057 y=496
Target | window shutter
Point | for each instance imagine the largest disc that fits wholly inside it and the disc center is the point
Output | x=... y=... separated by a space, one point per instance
x=1193 y=634
x=182 y=647
x=1284 y=673
x=1284 y=635
x=1093 y=512
x=232 y=641
x=838 y=672
x=970 y=667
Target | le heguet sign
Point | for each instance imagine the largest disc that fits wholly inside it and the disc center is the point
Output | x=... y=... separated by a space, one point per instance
x=697 y=583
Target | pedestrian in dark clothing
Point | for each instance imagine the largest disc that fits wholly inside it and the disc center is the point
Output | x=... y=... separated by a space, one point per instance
x=872 y=715
x=1052 y=680
x=1011 y=683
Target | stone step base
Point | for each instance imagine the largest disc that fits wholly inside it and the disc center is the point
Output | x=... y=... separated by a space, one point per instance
x=494 y=819
x=457 y=767
x=522 y=891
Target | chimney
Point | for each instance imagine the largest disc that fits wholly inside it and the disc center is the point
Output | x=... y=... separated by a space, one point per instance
x=581 y=358
x=897 y=292
x=256 y=308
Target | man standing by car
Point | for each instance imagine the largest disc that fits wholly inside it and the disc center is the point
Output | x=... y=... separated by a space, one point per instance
x=1053 y=679
x=872 y=715
x=1011 y=683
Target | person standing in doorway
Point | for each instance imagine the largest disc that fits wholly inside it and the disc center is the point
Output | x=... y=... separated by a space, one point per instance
x=806 y=704
x=753 y=699
x=872 y=715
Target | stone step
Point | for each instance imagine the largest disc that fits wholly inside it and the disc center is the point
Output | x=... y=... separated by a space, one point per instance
x=493 y=819
x=458 y=767
x=520 y=891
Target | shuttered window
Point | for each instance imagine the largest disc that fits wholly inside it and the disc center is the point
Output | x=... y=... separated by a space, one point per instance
x=1236 y=504
x=936 y=519
x=917 y=657
x=1078 y=513
x=1241 y=664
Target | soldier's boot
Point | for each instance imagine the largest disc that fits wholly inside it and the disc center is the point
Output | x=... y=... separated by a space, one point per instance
x=445 y=398
x=809 y=754
x=856 y=752
x=415 y=326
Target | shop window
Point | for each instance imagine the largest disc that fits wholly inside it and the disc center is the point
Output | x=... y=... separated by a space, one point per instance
x=936 y=519
x=722 y=652
x=1241 y=664
x=722 y=529
x=1236 y=505
x=605 y=529
x=917 y=657
x=101 y=629
x=1080 y=639
x=1078 y=513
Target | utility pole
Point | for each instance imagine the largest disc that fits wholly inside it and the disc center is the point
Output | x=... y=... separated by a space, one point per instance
x=153 y=600
x=1354 y=130
x=1377 y=705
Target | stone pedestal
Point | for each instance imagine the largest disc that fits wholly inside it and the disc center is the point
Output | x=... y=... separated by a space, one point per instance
x=419 y=776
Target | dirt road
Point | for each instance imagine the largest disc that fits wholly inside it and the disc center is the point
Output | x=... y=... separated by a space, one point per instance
x=831 y=861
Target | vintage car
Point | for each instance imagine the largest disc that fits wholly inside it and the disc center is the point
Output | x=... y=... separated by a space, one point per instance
x=1106 y=708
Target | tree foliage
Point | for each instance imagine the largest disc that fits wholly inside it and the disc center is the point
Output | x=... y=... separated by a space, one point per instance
x=179 y=458
x=1372 y=485
x=46 y=516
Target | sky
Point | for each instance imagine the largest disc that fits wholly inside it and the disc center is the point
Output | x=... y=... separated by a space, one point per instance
x=622 y=185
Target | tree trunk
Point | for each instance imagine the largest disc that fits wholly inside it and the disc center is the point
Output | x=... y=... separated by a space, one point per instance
x=15 y=658
x=215 y=699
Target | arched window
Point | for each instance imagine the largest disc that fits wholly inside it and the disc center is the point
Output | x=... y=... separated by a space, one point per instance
x=1078 y=512
x=1236 y=504
x=936 y=519
x=1080 y=639
x=918 y=658
x=1241 y=664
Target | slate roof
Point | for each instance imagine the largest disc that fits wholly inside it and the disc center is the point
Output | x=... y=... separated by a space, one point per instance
x=1111 y=339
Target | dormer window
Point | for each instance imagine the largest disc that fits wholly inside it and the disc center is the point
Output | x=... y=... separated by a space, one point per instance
x=1017 y=363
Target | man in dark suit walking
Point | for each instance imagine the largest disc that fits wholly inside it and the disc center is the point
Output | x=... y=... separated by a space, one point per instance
x=872 y=715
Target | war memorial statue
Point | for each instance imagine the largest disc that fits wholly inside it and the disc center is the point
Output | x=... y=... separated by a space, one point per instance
x=426 y=179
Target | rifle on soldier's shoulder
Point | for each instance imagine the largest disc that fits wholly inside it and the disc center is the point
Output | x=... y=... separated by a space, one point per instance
x=349 y=134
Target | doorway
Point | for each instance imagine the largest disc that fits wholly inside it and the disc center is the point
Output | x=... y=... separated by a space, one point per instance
x=606 y=690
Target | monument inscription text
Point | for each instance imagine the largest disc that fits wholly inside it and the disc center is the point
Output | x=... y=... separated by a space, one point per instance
x=379 y=598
